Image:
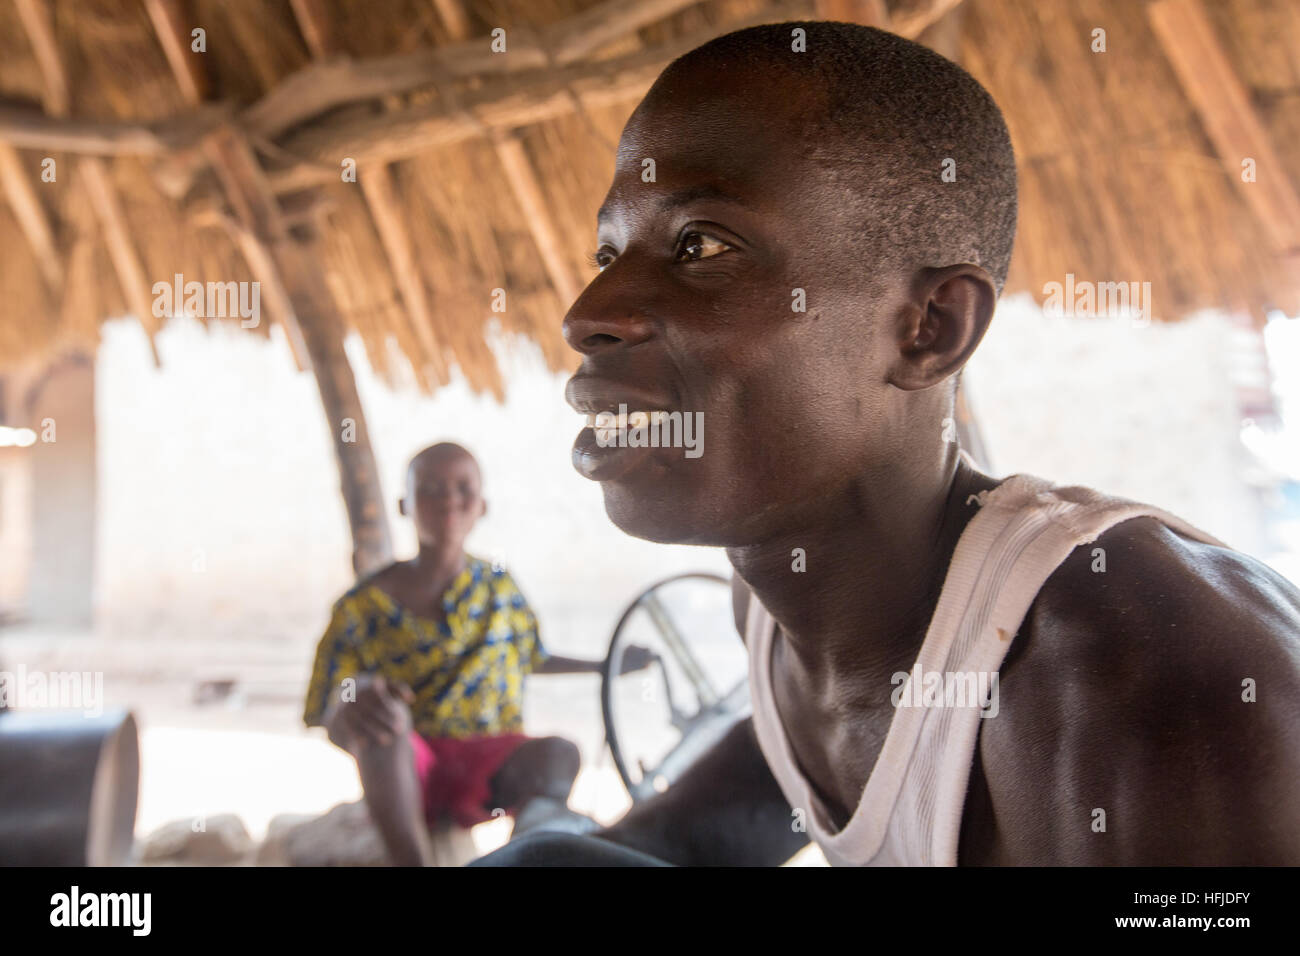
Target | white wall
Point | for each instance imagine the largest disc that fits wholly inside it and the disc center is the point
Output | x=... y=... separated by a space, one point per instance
x=221 y=515
x=1148 y=413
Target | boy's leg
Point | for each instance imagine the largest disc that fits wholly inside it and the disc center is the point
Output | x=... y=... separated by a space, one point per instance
x=542 y=767
x=395 y=801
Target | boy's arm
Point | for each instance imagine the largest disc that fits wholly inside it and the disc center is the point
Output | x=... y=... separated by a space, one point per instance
x=634 y=658
x=555 y=664
x=725 y=810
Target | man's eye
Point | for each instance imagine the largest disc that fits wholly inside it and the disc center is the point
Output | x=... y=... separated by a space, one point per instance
x=699 y=245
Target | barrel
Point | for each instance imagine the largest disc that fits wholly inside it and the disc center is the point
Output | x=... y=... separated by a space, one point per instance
x=68 y=788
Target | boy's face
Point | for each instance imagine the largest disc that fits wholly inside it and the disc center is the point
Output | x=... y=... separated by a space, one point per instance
x=444 y=498
x=694 y=312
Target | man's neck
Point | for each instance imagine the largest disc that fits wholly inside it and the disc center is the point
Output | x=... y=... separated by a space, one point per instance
x=876 y=559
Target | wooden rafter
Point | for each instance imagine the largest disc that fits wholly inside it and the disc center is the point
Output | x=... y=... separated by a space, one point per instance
x=174 y=36
x=587 y=31
x=453 y=17
x=35 y=17
x=514 y=160
x=912 y=17
x=262 y=265
x=31 y=217
x=313 y=21
x=121 y=250
x=501 y=104
x=541 y=224
x=30 y=129
x=329 y=83
x=515 y=90
x=1234 y=127
x=871 y=13
x=386 y=212
x=173 y=32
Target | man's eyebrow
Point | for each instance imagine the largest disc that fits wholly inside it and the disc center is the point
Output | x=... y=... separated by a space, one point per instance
x=682 y=197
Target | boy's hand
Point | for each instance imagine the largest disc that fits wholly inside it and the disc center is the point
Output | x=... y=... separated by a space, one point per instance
x=637 y=658
x=379 y=715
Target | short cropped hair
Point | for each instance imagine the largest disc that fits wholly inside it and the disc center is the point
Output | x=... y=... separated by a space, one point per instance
x=894 y=117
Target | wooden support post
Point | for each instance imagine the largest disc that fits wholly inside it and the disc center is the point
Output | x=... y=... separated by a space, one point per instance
x=312 y=322
x=322 y=332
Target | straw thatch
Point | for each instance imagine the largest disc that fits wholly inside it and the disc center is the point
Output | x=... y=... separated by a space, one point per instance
x=1124 y=175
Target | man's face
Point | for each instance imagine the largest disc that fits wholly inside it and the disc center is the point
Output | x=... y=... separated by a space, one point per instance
x=694 y=311
x=444 y=497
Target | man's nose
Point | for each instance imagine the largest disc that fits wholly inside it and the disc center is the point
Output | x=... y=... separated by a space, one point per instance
x=604 y=317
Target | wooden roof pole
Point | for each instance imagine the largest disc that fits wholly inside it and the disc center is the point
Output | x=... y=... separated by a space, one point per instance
x=31 y=218
x=508 y=99
x=504 y=103
x=173 y=37
x=869 y=13
x=33 y=129
x=1234 y=127
x=35 y=17
x=331 y=82
x=541 y=224
x=377 y=186
x=376 y=183
x=293 y=267
x=323 y=332
x=520 y=173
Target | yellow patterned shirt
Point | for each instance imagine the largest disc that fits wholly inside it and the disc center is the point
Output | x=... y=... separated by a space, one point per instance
x=467 y=674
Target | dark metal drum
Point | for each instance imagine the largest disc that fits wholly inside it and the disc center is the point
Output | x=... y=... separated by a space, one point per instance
x=68 y=788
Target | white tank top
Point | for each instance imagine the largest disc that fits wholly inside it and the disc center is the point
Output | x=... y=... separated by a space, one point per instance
x=910 y=810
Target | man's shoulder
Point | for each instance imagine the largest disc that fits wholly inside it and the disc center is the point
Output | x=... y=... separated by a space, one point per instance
x=1146 y=613
x=1156 y=674
x=1143 y=588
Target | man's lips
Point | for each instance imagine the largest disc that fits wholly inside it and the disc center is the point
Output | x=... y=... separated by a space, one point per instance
x=601 y=399
x=591 y=395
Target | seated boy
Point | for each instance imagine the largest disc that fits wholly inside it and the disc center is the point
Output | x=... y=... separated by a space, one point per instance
x=420 y=676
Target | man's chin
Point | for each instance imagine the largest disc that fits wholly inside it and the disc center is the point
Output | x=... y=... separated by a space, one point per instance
x=659 y=520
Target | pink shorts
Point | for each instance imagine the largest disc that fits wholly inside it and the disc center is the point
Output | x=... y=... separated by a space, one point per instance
x=456 y=775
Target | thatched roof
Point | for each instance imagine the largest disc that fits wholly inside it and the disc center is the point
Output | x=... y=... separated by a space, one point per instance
x=495 y=162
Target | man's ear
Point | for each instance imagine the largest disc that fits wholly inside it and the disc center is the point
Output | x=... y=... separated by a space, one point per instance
x=945 y=319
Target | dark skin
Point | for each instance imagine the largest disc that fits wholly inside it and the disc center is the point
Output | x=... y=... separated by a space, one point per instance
x=444 y=499
x=1121 y=690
